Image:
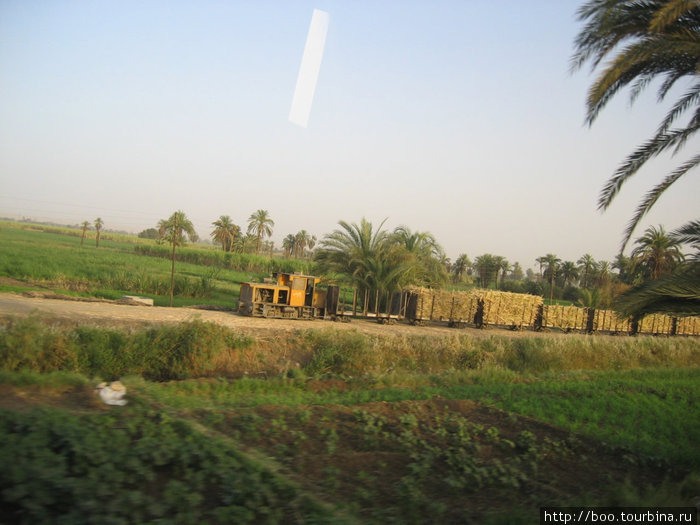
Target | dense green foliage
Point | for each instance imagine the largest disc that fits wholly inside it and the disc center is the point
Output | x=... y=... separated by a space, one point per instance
x=366 y=422
x=133 y=466
x=245 y=262
x=159 y=353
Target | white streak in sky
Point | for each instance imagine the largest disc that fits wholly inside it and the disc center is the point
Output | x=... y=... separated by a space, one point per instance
x=309 y=69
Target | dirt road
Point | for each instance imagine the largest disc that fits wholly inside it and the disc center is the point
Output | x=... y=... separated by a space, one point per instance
x=110 y=314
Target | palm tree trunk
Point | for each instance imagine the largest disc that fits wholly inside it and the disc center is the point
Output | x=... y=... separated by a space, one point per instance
x=172 y=276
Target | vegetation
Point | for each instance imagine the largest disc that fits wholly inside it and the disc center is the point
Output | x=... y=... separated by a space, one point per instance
x=378 y=260
x=642 y=42
x=374 y=429
x=260 y=224
x=174 y=230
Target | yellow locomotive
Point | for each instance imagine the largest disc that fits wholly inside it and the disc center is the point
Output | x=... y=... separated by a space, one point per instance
x=289 y=295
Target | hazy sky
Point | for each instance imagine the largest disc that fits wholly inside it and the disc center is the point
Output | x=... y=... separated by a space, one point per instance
x=456 y=117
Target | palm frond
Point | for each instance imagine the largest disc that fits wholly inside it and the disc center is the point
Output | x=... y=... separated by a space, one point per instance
x=653 y=195
x=676 y=294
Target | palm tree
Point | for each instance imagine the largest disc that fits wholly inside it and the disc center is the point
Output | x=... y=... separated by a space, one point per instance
x=503 y=266
x=289 y=244
x=311 y=243
x=365 y=256
x=517 y=273
x=642 y=41
x=569 y=272
x=602 y=273
x=225 y=232
x=460 y=266
x=86 y=226
x=174 y=230
x=301 y=241
x=429 y=263
x=657 y=253
x=551 y=263
x=487 y=267
x=98 y=228
x=260 y=224
x=586 y=264
x=690 y=234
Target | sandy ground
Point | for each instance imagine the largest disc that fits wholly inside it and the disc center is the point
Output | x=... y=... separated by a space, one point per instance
x=110 y=314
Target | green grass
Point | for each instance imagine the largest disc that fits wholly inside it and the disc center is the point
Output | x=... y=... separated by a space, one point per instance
x=638 y=396
x=58 y=262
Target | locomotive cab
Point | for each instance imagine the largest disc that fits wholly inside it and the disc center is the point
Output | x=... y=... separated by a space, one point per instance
x=290 y=295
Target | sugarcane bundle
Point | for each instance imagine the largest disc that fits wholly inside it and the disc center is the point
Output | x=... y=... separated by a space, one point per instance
x=455 y=306
x=509 y=309
x=655 y=324
x=604 y=320
x=565 y=317
x=424 y=298
x=688 y=326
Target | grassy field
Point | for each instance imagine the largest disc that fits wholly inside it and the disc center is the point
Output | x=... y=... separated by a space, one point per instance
x=318 y=425
x=327 y=426
x=37 y=258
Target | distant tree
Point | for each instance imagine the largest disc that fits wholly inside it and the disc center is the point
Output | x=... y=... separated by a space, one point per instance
x=517 y=273
x=487 y=267
x=301 y=240
x=174 y=230
x=503 y=266
x=657 y=252
x=225 y=232
x=530 y=275
x=98 y=228
x=311 y=243
x=260 y=224
x=626 y=272
x=550 y=263
x=569 y=273
x=460 y=266
x=149 y=233
x=586 y=264
x=289 y=244
x=86 y=227
x=601 y=274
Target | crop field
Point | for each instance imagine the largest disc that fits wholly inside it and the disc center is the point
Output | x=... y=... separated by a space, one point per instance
x=316 y=424
x=328 y=426
x=52 y=258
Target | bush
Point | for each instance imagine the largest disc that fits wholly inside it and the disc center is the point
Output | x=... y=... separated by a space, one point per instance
x=161 y=353
x=243 y=262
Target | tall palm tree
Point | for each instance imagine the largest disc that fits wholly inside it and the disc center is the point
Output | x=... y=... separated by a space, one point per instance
x=365 y=256
x=602 y=273
x=225 y=232
x=175 y=228
x=656 y=252
x=487 y=267
x=460 y=266
x=503 y=266
x=569 y=272
x=429 y=263
x=289 y=244
x=98 y=228
x=638 y=42
x=260 y=224
x=517 y=273
x=551 y=263
x=301 y=242
x=586 y=264
x=86 y=226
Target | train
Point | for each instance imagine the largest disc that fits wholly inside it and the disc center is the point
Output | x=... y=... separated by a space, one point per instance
x=300 y=296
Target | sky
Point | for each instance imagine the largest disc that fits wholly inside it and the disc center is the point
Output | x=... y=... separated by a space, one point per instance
x=460 y=118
